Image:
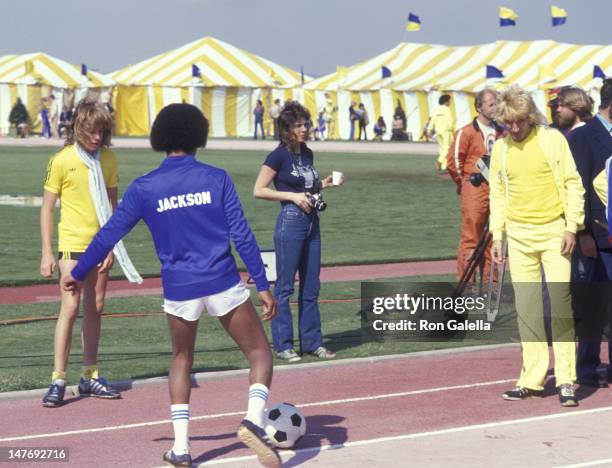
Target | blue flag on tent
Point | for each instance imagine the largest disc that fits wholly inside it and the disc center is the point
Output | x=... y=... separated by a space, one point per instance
x=386 y=73
x=494 y=72
x=598 y=72
x=83 y=69
x=195 y=71
x=414 y=23
x=302 y=73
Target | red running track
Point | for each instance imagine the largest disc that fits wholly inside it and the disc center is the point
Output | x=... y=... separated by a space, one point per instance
x=417 y=410
x=122 y=288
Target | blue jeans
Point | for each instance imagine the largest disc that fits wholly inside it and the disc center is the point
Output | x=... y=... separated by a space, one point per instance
x=597 y=270
x=297 y=241
x=259 y=123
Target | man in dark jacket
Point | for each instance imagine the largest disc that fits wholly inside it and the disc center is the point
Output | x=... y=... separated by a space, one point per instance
x=591 y=145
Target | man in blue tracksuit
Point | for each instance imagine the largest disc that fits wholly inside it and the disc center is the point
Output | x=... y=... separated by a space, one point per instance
x=192 y=211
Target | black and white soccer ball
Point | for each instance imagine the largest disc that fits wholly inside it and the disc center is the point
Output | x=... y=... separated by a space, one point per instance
x=285 y=425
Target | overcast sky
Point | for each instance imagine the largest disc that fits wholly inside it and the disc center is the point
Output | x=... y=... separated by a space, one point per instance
x=316 y=34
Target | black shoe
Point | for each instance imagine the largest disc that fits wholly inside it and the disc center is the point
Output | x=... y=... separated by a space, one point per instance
x=173 y=459
x=522 y=393
x=257 y=440
x=98 y=388
x=54 y=396
x=595 y=381
x=567 y=395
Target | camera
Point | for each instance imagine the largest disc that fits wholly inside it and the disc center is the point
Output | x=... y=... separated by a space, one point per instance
x=477 y=178
x=316 y=200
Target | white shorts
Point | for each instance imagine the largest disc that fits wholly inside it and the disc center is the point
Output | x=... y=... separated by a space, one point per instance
x=217 y=305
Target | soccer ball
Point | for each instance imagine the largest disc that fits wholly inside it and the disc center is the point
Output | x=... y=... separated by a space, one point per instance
x=285 y=425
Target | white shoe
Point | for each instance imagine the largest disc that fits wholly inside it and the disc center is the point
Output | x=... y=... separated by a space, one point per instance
x=288 y=355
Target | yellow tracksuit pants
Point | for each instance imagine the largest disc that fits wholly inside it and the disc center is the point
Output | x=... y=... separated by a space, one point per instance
x=444 y=142
x=531 y=248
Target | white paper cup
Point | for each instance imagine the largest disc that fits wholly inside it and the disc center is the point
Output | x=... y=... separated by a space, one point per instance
x=336 y=177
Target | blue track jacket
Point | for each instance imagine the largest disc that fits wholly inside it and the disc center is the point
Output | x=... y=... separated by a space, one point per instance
x=192 y=211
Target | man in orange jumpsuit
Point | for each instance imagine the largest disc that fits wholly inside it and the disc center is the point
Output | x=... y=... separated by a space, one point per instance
x=471 y=143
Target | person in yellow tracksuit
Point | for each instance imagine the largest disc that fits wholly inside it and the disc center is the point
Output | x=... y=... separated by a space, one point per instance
x=600 y=184
x=442 y=125
x=537 y=200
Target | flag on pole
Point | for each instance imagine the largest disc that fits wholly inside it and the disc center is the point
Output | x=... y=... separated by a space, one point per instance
x=598 y=72
x=546 y=73
x=302 y=73
x=559 y=16
x=386 y=72
x=493 y=73
x=83 y=69
x=414 y=23
x=195 y=71
x=507 y=17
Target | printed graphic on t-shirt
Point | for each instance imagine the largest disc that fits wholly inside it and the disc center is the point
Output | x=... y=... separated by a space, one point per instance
x=488 y=133
x=306 y=171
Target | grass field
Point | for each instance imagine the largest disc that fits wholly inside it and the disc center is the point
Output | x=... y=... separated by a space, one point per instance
x=139 y=347
x=392 y=208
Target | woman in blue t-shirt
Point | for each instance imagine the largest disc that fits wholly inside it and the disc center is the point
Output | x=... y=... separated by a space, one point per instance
x=297 y=238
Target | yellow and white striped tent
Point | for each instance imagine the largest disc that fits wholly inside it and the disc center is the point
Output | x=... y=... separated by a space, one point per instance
x=31 y=76
x=421 y=71
x=232 y=79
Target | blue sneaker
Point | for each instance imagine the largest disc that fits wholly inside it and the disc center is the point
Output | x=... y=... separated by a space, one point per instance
x=98 y=388
x=173 y=459
x=257 y=440
x=54 y=396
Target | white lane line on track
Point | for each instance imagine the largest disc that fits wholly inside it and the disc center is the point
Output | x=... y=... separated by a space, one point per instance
x=418 y=435
x=590 y=463
x=236 y=413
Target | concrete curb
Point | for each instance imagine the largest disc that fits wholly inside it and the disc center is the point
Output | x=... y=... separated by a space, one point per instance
x=122 y=385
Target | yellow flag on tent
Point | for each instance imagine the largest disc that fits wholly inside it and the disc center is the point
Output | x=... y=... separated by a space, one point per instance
x=559 y=16
x=507 y=17
x=546 y=73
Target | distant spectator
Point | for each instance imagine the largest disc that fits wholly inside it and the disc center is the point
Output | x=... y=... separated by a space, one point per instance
x=20 y=118
x=53 y=116
x=274 y=114
x=65 y=121
x=364 y=121
x=321 y=124
x=379 y=129
x=353 y=117
x=44 y=118
x=258 y=112
x=330 y=116
x=399 y=112
x=397 y=129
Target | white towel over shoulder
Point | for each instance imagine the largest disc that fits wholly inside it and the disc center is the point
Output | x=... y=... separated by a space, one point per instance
x=99 y=196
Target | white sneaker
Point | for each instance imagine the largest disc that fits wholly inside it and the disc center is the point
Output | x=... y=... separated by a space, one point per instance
x=288 y=355
x=323 y=353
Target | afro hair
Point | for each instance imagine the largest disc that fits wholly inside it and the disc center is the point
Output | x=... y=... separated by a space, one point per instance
x=179 y=127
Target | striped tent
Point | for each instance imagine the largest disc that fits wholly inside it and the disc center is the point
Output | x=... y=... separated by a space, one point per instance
x=32 y=76
x=420 y=71
x=231 y=80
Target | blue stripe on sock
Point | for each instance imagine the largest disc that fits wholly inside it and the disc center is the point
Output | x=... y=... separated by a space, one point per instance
x=258 y=394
